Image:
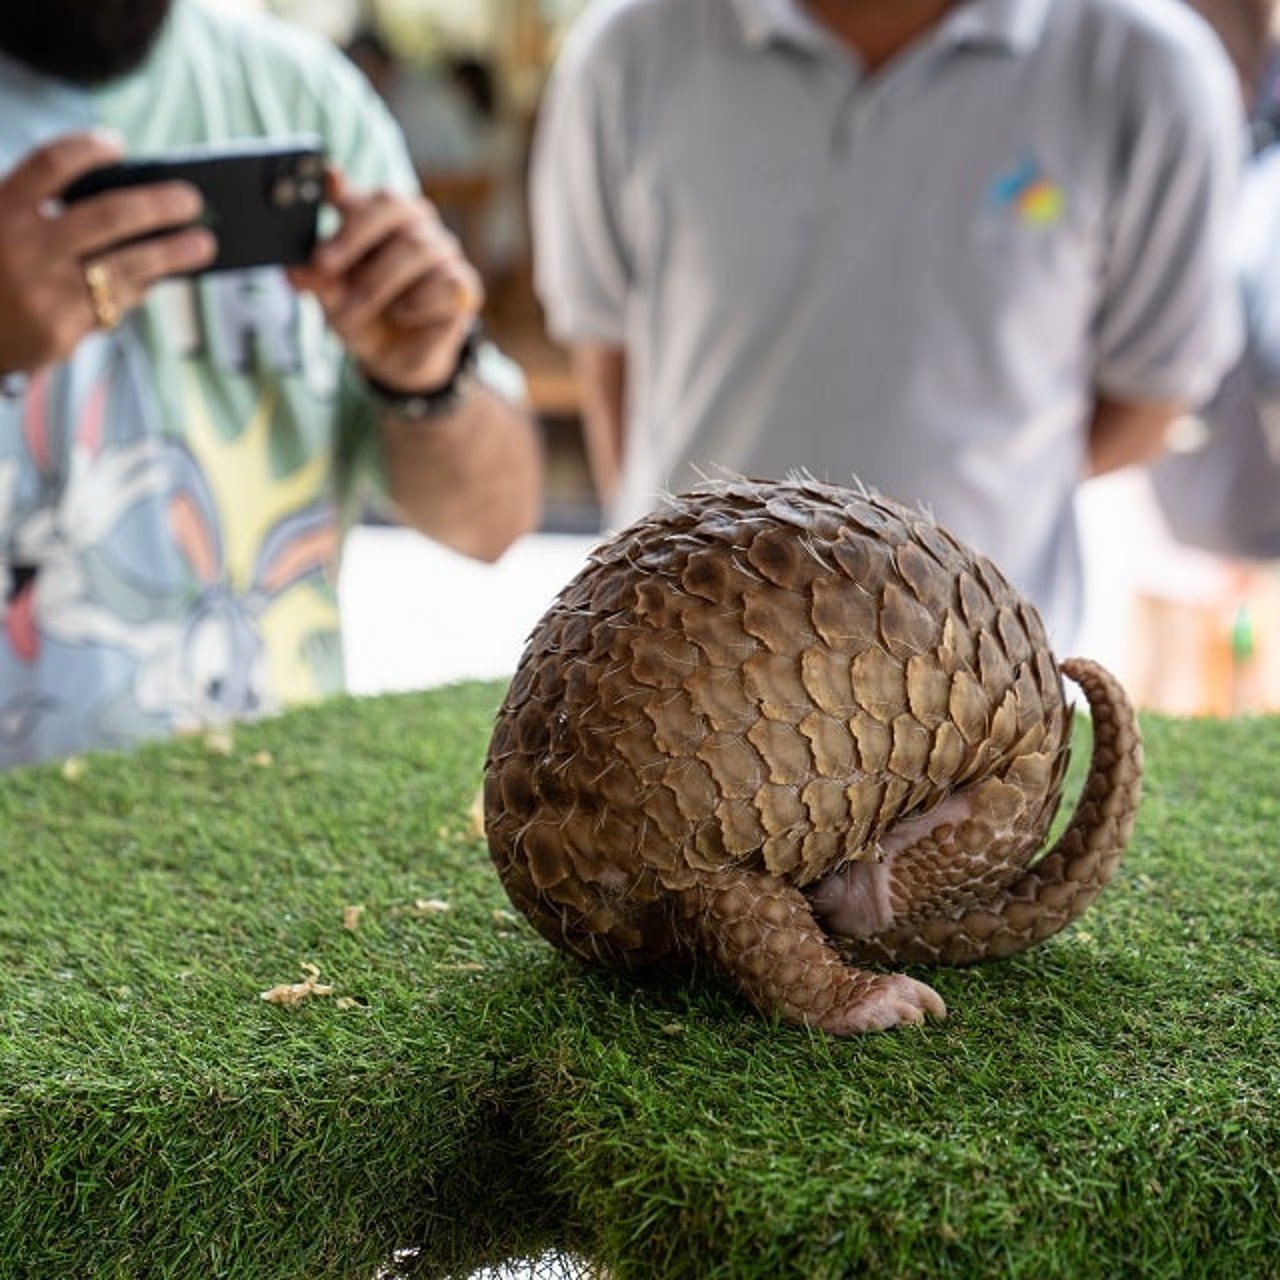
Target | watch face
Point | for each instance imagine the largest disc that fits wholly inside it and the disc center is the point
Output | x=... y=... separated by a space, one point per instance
x=435 y=405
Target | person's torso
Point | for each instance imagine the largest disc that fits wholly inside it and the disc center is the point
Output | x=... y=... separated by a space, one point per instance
x=894 y=276
x=168 y=514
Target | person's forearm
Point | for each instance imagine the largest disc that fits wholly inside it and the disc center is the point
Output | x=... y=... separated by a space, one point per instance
x=1123 y=434
x=602 y=377
x=472 y=479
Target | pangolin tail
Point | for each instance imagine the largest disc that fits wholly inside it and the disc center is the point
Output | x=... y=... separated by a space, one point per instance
x=1059 y=887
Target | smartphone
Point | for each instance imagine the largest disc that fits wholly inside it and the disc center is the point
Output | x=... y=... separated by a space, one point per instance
x=261 y=196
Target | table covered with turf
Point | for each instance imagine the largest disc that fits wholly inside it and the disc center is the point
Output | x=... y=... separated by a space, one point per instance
x=431 y=1088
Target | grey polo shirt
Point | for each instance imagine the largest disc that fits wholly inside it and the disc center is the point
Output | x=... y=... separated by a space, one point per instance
x=920 y=277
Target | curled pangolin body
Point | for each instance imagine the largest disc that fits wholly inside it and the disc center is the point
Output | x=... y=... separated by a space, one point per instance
x=790 y=727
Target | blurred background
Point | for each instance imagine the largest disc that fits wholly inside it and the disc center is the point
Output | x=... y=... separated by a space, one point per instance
x=1188 y=632
x=464 y=78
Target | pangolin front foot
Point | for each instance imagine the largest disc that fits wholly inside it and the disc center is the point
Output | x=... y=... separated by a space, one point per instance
x=760 y=931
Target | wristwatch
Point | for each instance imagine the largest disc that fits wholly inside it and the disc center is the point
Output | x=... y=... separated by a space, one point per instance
x=420 y=406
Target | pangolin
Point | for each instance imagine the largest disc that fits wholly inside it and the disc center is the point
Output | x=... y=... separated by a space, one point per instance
x=791 y=728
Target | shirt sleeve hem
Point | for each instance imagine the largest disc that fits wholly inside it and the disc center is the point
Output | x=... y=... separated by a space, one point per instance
x=581 y=324
x=1190 y=385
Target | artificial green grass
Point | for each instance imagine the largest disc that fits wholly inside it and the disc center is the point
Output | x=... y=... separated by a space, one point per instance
x=1102 y=1106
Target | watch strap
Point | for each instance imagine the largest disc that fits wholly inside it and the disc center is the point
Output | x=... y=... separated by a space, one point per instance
x=436 y=402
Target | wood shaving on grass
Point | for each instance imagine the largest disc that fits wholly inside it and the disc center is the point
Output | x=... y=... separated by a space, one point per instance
x=290 y=994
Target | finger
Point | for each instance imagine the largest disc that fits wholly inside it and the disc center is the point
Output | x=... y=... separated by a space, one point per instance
x=328 y=291
x=425 y=361
x=336 y=188
x=134 y=269
x=48 y=170
x=376 y=282
x=366 y=224
x=442 y=295
x=393 y=268
x=397 y=265
x=304 y=277
x=178 y=253
x=101 y=222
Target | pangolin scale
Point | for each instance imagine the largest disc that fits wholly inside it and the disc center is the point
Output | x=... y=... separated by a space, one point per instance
x=791 y=728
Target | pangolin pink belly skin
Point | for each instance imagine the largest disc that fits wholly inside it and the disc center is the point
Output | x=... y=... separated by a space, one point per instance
x=788 y=728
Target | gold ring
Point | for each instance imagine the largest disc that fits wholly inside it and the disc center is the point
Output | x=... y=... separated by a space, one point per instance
x=97 y=279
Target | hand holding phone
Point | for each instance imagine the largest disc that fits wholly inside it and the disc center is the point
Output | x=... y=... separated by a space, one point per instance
x=261 y=197
x=395 y=286
x=53 y=255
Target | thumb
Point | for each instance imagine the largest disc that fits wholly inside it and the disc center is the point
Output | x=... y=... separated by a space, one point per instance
x=337 y=189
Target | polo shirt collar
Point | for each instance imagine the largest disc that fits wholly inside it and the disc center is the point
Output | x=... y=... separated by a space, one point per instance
x=766 y=21
x=1014 y=25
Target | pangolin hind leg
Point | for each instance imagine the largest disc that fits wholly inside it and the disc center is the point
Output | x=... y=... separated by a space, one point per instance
x=761 y=932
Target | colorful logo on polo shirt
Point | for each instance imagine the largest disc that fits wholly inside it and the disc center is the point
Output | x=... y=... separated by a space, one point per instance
x=1034 y=197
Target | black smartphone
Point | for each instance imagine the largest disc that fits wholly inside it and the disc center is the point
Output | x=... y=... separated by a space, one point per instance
x=261 y=196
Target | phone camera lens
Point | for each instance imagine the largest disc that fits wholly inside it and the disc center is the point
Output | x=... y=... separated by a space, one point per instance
x=309 y=191
x=310 y=167
x=284 y=193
